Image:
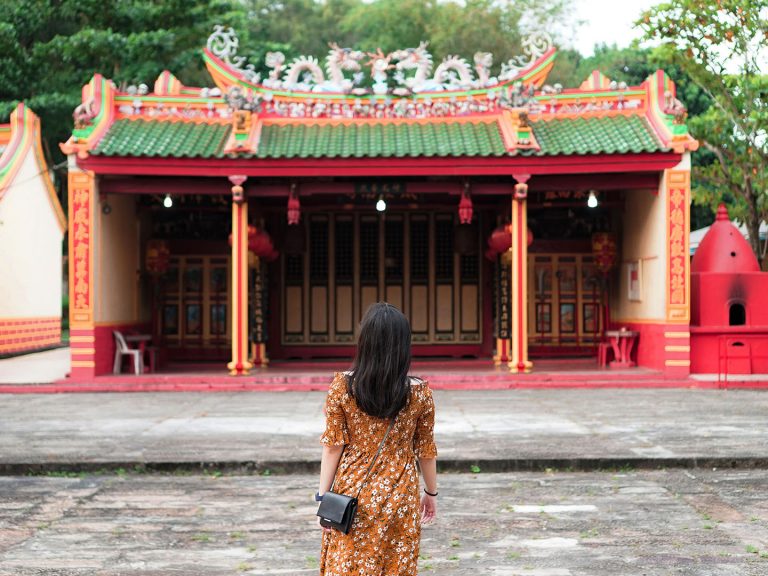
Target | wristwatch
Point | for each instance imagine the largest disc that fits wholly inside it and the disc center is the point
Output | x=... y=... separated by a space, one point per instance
x=318 y=498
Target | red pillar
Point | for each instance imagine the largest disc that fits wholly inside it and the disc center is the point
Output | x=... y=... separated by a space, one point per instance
x=518 y=361
x=240 y=364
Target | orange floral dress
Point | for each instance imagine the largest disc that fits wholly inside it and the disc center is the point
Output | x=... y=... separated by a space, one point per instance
x=384 y=539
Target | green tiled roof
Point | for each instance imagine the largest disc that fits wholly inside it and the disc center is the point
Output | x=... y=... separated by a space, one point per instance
x=165 y=139
x=381 y=140
x=596 y=135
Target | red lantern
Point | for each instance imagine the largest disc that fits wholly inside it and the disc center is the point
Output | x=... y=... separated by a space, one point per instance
x=294 y=209
x=158 y=257
x=465 y=209
x=500 y=240
x=604 y=250
x=260 y=243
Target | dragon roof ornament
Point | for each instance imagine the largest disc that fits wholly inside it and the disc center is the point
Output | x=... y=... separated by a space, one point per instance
x=399 y=73
x=223 y=44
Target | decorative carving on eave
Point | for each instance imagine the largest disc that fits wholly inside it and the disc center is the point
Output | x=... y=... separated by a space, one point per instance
x=400 y=72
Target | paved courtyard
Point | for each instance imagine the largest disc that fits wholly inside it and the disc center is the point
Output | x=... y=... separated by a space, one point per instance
x=640 y=483
x=655 y=523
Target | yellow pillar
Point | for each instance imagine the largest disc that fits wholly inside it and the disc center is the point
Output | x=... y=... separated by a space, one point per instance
x=240 y=364
x=83 y=203
x=518 y=361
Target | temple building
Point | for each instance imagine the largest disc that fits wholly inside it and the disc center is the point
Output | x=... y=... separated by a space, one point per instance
x=32 y=226
x=254 y=221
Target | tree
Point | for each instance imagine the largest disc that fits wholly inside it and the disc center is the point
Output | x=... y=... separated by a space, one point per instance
x=50 y=49
x=723 y=47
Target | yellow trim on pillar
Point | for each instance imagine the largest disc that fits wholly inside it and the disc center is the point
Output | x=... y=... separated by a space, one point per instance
x=677 y=334
x=82 y=351
x=677 y=348
x=678 y=208
x=82 y=200
x=240 y=364
x=501 y=354
x=73 y=339
x=677 y=363
x=518 y=288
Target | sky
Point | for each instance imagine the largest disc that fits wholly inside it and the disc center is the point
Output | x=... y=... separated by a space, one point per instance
x=607 y=22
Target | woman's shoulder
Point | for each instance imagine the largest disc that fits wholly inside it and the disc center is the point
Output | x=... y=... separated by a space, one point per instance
x=419 y=387
x=418 y=381
x=339 y=382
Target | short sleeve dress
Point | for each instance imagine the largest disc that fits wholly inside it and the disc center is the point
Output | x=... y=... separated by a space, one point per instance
x=384 y=539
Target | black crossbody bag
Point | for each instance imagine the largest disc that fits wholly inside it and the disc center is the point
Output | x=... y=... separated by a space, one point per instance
x=338 y=511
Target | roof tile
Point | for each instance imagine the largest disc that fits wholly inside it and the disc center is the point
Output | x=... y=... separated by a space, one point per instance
x=595 y=135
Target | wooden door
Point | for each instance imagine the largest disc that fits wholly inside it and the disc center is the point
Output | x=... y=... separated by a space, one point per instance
x=356 y=259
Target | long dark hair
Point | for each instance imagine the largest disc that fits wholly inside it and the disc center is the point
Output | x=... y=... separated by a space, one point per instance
x=379 y=377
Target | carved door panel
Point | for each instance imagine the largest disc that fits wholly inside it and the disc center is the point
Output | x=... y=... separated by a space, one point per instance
x=355 y=260
x=564 y=295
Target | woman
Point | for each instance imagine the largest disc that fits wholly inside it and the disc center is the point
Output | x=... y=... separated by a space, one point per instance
x=361 y=405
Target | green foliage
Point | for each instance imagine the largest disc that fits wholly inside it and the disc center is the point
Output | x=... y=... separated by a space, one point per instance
x=723 y=48
x=50 y=49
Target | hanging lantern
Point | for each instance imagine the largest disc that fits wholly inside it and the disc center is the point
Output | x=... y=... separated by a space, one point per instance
x=294 y=209
x=260 y=244
x=157 y=257
x=604 y=250
x=500 y=239
x=465 y=208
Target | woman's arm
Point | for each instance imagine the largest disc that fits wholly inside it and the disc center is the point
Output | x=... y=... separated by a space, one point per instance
x=328 y=464
x=428 y=468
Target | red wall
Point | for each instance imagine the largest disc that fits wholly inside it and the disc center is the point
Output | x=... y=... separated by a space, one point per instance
x=98 y=345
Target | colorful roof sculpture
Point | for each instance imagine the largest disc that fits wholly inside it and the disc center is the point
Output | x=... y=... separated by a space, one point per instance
x=404 y=111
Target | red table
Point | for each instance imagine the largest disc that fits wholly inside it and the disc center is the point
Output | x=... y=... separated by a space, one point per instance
x=622 y=342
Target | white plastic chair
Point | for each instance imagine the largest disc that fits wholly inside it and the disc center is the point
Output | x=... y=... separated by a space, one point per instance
x=122 y=349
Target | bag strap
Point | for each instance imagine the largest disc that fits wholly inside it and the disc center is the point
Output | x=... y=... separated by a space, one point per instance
x=381 y=445
x=368 y=472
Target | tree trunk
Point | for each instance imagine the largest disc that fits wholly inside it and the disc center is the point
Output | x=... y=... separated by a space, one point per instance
x=753 y=223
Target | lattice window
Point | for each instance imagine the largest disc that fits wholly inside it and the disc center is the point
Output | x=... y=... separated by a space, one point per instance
x=470 y=267
x=369 y=252
x=345 y=246
x=294 y=269
x=393 y=251
x=444 y=249
x=419 y=250
x=318 y=250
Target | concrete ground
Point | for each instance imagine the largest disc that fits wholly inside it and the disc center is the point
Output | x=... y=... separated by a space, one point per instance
x=501 y=430
x=548 y=482
x=633 y=523
x=36 y=368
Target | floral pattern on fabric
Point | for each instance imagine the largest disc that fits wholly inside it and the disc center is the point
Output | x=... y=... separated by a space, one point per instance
x=384 y=540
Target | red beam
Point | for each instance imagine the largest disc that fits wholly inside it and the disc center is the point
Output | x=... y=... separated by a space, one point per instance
x=200 y=185
x=394 y=167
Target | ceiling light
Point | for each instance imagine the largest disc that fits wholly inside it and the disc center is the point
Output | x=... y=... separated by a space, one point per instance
x=381 y=205
x=167 y=201
x=592 y=200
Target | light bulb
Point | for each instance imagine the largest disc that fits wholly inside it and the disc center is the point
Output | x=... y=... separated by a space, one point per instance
x=167 y=201
x=381 y=205
x=592 y=200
